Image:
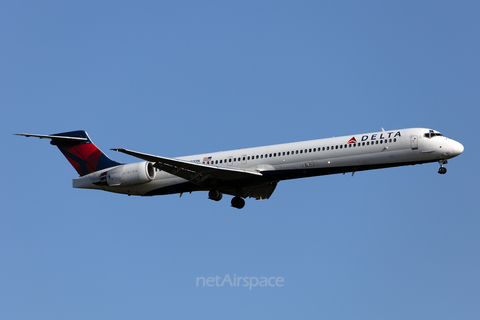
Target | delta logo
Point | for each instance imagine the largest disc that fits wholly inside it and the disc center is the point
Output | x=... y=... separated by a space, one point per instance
x=376 y=136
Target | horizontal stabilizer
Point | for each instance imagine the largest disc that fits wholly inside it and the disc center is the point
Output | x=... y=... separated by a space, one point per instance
x=45 y=136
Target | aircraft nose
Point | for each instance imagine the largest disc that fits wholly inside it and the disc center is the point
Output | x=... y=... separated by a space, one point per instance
x=457 y=148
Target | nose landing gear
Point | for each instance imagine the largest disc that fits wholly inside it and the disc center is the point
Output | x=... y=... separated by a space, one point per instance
x=442 y=169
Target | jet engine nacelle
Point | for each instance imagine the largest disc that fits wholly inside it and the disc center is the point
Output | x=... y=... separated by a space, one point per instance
x=129 y=174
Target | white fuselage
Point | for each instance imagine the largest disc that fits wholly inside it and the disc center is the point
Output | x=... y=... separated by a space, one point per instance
x=303 y=159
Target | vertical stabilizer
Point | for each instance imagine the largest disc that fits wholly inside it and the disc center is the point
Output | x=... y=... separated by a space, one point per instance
x=83 y=155
x=79 y=150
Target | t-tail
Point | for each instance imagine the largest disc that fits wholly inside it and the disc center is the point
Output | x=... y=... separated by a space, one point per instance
x=79 y=150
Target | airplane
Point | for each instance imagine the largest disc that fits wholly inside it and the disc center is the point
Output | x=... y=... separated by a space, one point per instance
x=251 y=172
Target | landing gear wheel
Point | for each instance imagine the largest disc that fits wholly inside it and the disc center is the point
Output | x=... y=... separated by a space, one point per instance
x=238 y=202
x=442 y=169
x=215 y=195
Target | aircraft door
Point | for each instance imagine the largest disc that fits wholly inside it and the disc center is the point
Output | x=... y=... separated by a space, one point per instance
x=414 y=141
x=230 y=161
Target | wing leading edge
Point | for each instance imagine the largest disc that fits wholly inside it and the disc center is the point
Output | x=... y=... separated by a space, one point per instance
x=198 y=173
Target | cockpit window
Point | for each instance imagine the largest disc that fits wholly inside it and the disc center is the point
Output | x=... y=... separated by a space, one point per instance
x=432 y=134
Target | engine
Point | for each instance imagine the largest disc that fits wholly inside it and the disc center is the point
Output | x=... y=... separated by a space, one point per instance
x=129 y=175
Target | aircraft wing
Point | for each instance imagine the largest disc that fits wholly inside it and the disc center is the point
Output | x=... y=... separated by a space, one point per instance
x=198 y=173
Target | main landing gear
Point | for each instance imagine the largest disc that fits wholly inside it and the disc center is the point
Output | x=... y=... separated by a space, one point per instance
x=215 y=195
x=237 y=202
x=442 y=169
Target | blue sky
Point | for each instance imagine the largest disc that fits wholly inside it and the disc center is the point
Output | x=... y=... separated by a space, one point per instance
x=179 y=78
